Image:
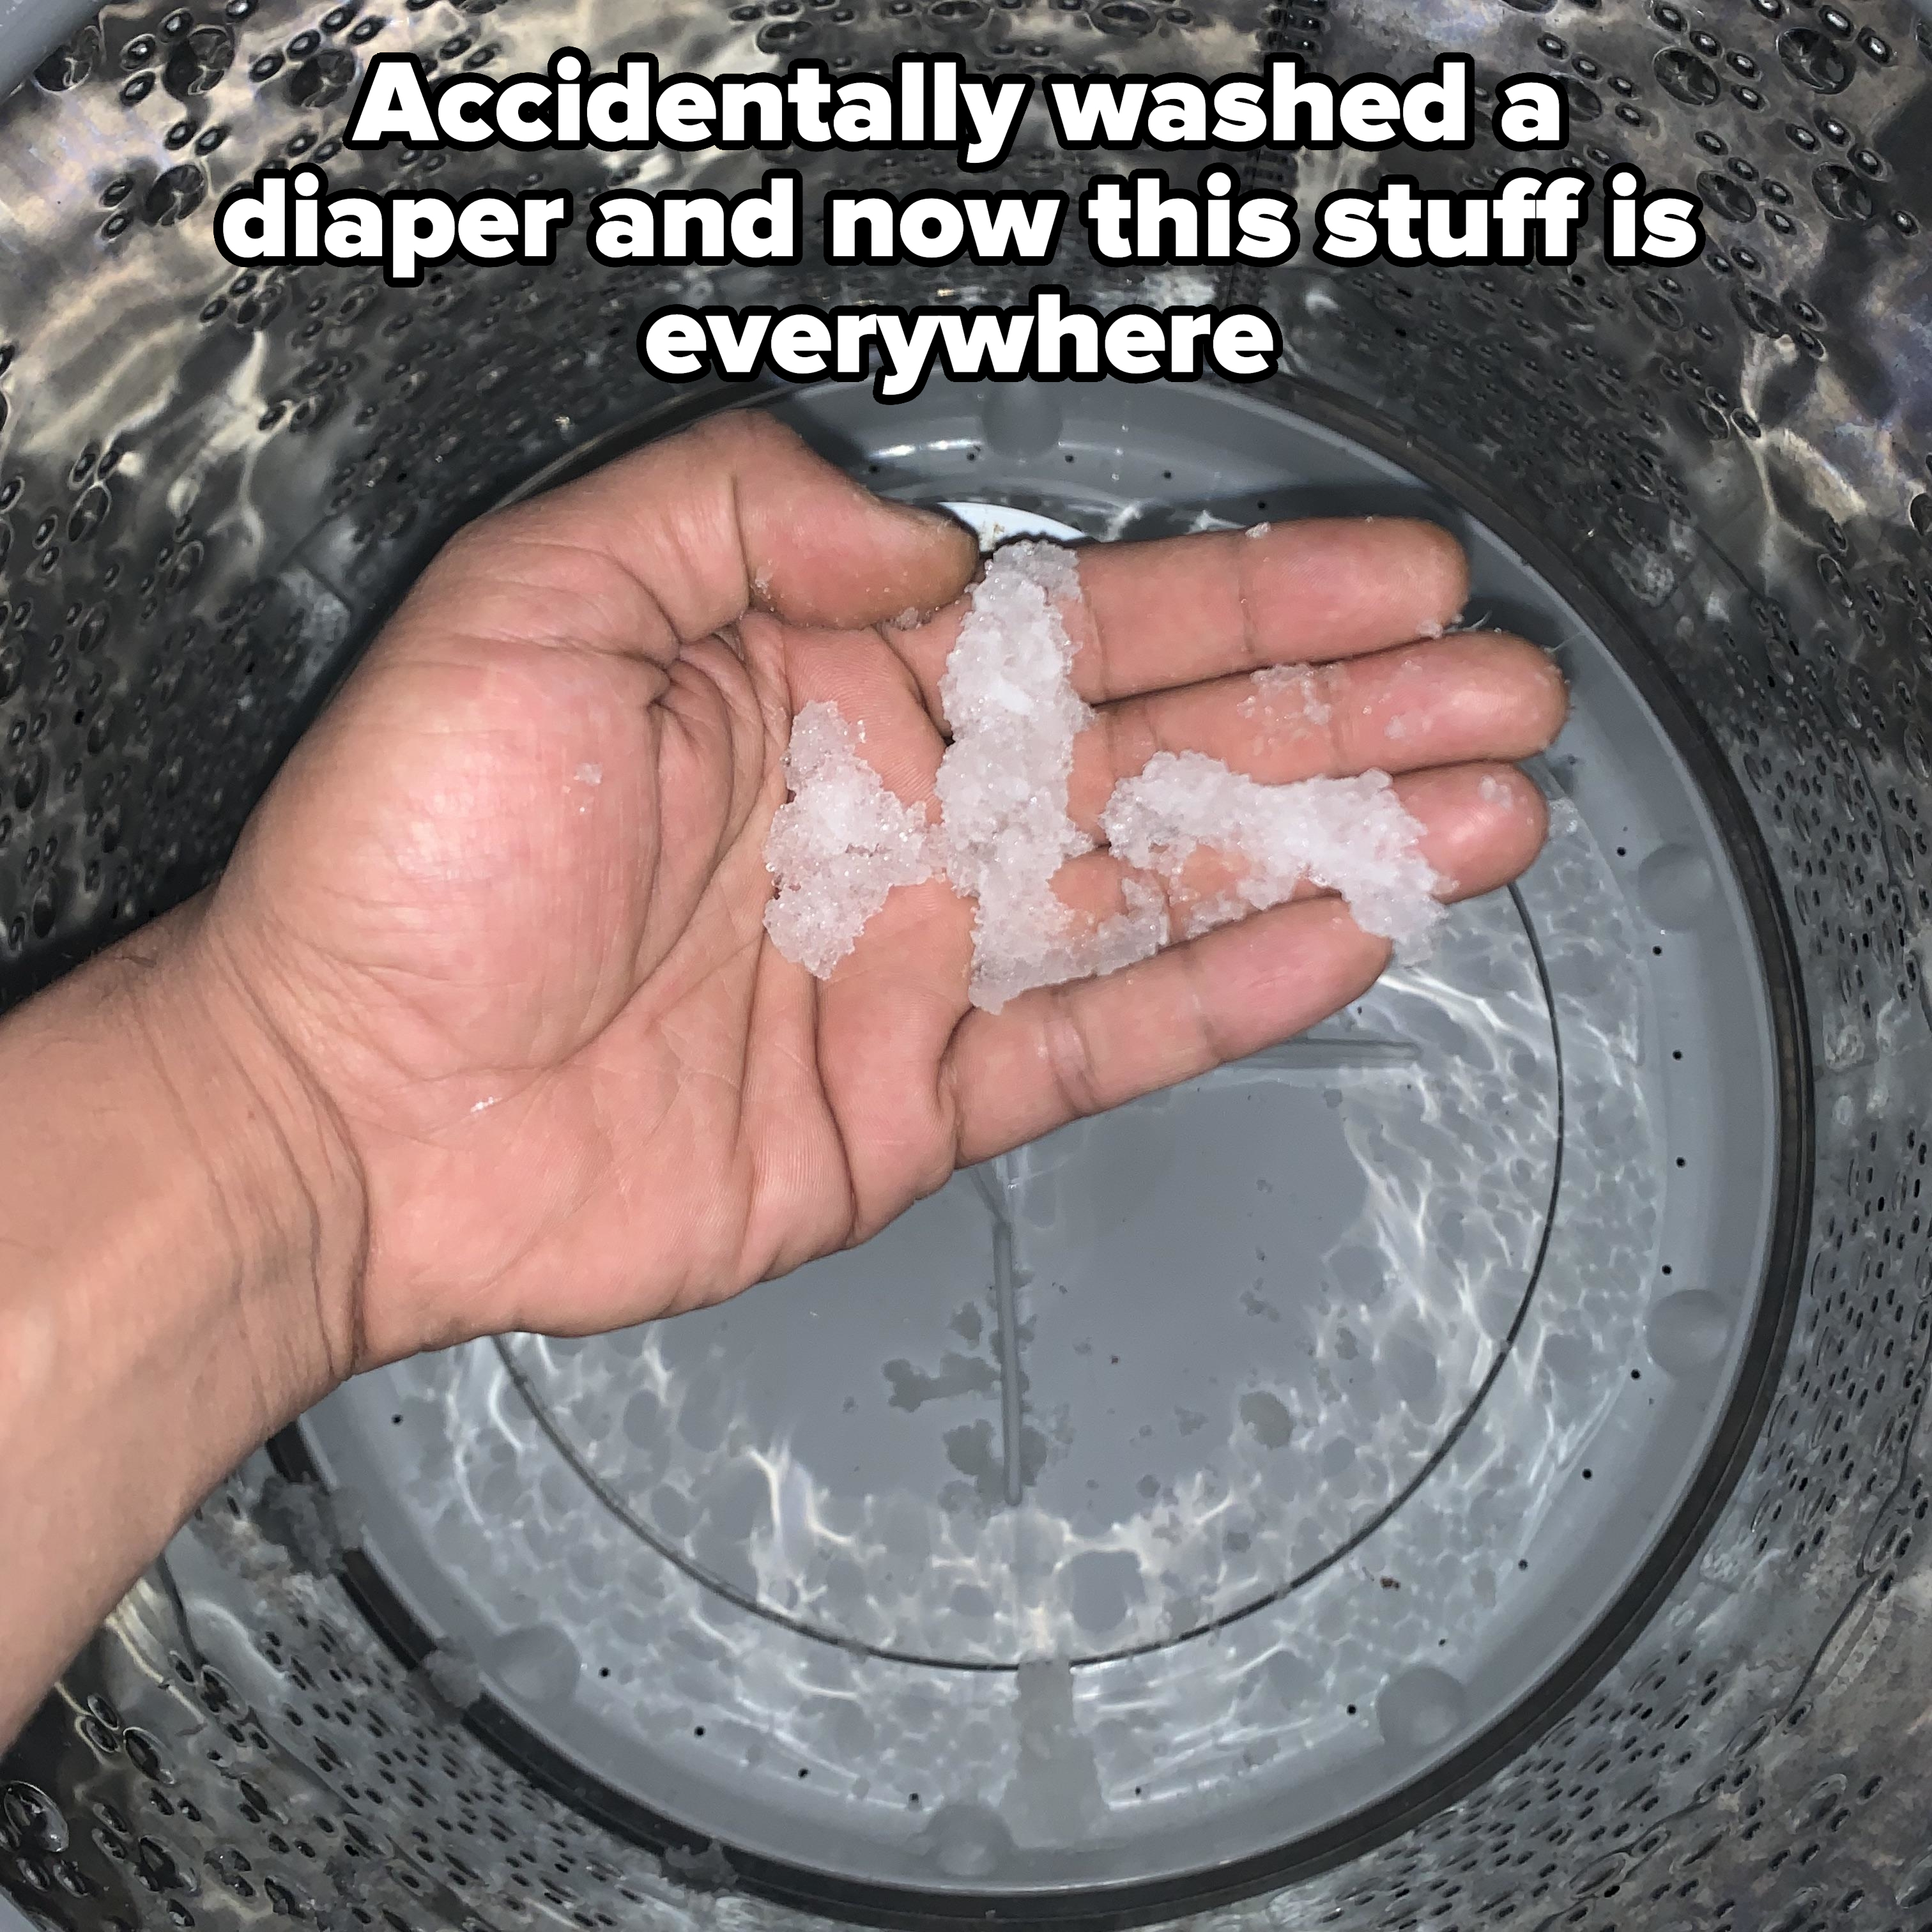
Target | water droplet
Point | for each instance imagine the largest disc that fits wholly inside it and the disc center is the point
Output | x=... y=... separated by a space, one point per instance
x=1659 y=308
x=1674 y=887
x=1683 y=74
x=968 y=1841
x=1687 y=1331
x=1759 y=312
x=1730 y=199
x=175 y=196
x=540 y=1664
x=1915 y=1882
x=89 y=514
x=68 y=66
x=157 y=1865
x=1267 y=1419
x=1420 y=1709
x=1022 y=419
x=1812 y=58
x=1586 y=102
x=145 y=1754
x=197 y=67
x=33 y=1817
x=784 y=36
x=186 y=563
x=30 y=778
x=1843 y=195
x=323 y=78
x=258 y=310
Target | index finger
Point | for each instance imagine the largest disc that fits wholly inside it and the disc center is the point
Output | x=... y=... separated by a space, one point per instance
x=1180 y=610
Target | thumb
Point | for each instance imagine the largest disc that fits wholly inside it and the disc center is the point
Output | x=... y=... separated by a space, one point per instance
x=825 y=551
x=736 y=514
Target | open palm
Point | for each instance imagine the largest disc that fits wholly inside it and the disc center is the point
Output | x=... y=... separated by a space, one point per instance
x=504 y=905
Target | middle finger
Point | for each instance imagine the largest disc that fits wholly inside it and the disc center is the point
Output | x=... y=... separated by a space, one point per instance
x=1458 y=699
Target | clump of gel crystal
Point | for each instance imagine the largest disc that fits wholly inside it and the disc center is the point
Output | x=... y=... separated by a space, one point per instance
x=843 y=841
x=1350 y=836
x=840 y=844
x=1009 y=696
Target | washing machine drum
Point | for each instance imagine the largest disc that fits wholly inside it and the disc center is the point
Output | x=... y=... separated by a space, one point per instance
x=1459 y=1469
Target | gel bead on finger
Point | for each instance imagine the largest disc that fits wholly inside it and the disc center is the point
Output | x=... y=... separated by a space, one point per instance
x=839 y=847
x=1352 y=835
x=1009 y=695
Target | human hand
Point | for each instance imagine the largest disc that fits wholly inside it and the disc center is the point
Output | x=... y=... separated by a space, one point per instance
x=498 y=922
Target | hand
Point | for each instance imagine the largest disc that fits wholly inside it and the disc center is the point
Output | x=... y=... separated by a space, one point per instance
x=500 y=916
x=481 y=1029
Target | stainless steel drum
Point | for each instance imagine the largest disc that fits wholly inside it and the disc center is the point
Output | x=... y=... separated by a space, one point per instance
x=1461 y=1469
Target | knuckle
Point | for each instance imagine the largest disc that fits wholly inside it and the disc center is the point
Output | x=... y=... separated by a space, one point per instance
x=1214 y=1045
x=745 y=435
x=1070 y=1057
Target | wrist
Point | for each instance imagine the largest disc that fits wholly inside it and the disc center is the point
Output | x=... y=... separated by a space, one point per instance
x=280 y=1190
x=178 y=1241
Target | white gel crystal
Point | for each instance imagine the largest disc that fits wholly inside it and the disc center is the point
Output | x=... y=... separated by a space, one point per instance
x=1281 y=693
x=1008 y=691
x=839 y=847
x=843 y=841
x=1349 y=836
